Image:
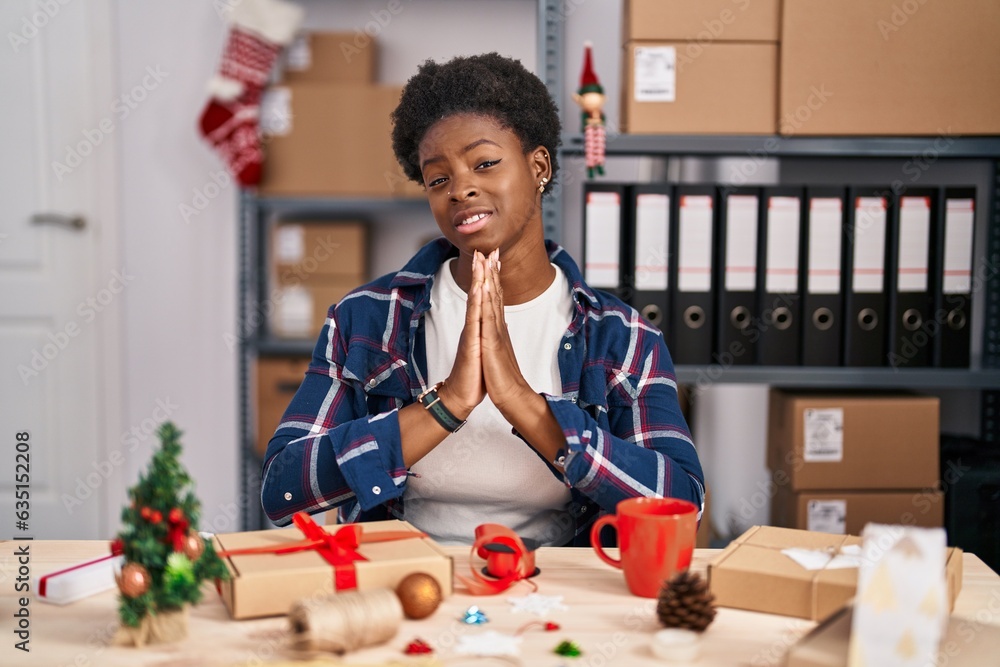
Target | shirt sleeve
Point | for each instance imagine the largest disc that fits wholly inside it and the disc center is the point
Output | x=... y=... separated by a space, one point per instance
x=327 y=449
x=647 y=449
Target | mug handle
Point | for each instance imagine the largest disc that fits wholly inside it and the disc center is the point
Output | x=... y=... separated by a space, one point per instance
x=595 y=538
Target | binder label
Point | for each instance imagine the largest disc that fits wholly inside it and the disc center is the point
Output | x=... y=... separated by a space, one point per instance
x=825 y=220
x=914 y=243
x=741 y=243
x=603 y=223
x=782 y=275
x=827 y=516
x=869 y=244
x=824 y=435
x=652 y=244
x=958 y=228
x=694 y=252
x=655 y=73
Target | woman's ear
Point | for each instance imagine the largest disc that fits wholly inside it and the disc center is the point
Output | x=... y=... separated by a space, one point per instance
x=541 y=163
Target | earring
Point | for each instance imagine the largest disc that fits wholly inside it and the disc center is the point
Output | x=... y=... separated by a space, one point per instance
x=541 y=185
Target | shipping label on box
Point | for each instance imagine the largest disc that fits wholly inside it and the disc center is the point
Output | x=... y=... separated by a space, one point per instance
x=264 y=583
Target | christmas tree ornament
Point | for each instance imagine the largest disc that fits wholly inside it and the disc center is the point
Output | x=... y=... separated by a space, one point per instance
x=193 y=546
x=547 y=626
x=568 y=649
x=158 y=583
x=420 y=595
x=685 y=602
x=590 y=97
x=133 y=580
x=259 y=29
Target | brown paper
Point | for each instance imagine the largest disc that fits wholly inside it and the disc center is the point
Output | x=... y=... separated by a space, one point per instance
x=753 y=574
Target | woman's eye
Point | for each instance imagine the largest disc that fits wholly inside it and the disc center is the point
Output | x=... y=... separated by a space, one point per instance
x=487 y=164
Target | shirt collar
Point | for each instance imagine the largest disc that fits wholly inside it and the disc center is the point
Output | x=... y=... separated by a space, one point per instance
x=420 y=270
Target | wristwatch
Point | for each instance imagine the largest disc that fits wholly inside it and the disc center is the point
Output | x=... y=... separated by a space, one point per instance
x=432 y=403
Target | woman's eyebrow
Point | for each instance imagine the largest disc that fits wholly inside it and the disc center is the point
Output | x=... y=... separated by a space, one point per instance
x=477 y=142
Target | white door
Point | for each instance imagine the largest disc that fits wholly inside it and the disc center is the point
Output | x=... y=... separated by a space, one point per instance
x=59 y=297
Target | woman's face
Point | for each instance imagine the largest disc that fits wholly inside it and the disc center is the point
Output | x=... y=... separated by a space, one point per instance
x=482 y=187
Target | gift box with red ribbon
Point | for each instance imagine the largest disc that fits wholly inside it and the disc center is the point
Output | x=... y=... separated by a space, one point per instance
x=272 y=569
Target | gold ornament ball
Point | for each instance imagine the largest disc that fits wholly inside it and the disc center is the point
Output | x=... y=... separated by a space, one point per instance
x=134 y=580
x=194 y=546
x=420 y=595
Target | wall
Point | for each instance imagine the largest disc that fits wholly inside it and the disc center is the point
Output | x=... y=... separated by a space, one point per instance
x=181 y=306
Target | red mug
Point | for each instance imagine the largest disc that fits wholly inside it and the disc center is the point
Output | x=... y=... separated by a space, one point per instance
x=656 y=537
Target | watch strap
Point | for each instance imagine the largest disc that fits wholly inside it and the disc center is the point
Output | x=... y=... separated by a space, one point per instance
x=433 y=404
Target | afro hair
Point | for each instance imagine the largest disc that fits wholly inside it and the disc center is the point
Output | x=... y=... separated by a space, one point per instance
x=486 y=85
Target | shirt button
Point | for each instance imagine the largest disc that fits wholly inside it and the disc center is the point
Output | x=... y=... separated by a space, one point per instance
x=288 y=495
x=567 y=346
x=376 y=490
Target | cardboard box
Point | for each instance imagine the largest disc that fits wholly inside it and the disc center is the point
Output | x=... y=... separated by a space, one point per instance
x=300 y=310
x=966 y=643
x=823 y=441
x=701 y=20
x=847 y=512
x=689 y=87
x=302 y=251
x=884 y=67
x=331 y=57
x=752 y=573
x=268 y=584
x=336 y=141
x=278 y=378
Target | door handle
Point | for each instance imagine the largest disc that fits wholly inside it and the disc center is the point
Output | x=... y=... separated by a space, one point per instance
x=72 y=221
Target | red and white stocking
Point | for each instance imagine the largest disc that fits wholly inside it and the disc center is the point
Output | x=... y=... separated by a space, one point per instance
x=259 y=30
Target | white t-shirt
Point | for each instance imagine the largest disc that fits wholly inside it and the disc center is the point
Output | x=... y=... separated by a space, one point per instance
x=484 y=473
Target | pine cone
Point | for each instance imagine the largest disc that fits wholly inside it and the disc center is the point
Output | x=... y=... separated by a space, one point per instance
x=685 y=602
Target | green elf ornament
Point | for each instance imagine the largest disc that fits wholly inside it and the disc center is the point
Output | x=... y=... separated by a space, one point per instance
x=590 y=97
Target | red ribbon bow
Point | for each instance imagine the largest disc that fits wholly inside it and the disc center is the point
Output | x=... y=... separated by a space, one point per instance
x=178 y=529
x=512 y=564
x=337 y=548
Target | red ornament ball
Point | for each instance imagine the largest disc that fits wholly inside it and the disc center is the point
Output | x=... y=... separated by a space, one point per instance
x=145 y=513
x=134 y=580
x=155 y=517
x=175 y=515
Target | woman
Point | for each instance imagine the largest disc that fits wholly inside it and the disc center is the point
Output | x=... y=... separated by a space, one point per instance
x=485 y=381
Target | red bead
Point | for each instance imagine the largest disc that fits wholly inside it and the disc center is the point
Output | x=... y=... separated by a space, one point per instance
x=418 y=646
x=175 y=515
x=551 y=627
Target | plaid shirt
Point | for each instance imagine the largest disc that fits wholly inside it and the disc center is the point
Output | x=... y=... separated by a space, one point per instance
x=338 y=444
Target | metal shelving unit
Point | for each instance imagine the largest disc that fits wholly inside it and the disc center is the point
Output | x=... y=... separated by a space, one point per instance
x=256 y=211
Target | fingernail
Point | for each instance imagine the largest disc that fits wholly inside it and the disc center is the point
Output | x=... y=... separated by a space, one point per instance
x=499 y=266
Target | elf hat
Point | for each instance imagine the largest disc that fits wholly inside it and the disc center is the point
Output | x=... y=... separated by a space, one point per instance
x=588 y=80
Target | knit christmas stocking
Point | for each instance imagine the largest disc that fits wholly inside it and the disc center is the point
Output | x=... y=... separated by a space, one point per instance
x=259 y=29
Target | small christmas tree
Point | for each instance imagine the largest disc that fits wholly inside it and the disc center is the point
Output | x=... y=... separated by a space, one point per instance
x=165 y=559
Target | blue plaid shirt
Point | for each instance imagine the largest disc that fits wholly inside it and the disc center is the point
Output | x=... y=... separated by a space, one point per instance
x=338 y=444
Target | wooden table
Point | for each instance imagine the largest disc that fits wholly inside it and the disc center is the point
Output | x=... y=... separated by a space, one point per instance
x=611 y=626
